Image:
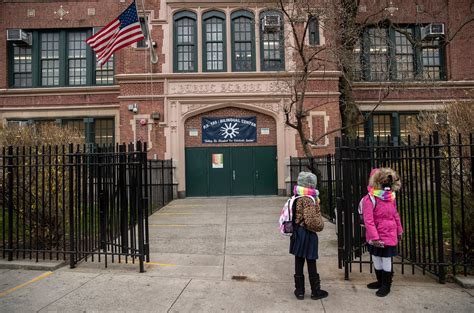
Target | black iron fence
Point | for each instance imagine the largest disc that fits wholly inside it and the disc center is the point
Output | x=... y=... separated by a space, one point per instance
x=324 y=168
x=436 y=202
x=80 y=202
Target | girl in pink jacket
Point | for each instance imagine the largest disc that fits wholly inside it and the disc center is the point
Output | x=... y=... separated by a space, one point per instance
x=383 y=227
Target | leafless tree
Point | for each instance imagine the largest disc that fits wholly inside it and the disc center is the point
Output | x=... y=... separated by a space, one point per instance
x=343 y=23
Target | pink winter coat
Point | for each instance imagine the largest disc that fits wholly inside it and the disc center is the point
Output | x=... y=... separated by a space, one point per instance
x=383 y=223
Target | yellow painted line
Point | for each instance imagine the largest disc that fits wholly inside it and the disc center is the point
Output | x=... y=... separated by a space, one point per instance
x=160 y=264
x=3 y=294
x=165 y=213
x=168 y=225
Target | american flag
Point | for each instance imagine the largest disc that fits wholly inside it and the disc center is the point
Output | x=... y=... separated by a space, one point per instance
x=121 y=32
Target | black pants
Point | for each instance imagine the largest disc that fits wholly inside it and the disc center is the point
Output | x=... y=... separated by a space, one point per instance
x=299 y=264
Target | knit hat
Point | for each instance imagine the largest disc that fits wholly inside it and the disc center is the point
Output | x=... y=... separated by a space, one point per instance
x=307 y=179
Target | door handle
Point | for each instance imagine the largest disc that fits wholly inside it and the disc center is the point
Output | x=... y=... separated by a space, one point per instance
x=233 y=174
x=256 y=174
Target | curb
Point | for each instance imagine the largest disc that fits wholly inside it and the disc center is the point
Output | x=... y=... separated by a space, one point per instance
x=465 y=281
x=38 y=266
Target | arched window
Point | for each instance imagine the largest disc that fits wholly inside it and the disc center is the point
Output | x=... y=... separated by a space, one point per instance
x=214 y=39
x=185 y=42
x=243 y=41
x=272 y=50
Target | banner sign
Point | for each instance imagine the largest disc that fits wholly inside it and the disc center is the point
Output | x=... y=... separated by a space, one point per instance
x=229 y=129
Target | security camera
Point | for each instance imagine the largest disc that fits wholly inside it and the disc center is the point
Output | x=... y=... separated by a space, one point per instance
x=133 y=107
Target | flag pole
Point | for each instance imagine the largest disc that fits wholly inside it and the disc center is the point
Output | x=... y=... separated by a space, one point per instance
x=153 y=56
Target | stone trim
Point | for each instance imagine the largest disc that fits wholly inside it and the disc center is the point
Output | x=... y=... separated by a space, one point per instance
x=210 y=76
x=413 y=85
x=62 y=91
x=326 y=125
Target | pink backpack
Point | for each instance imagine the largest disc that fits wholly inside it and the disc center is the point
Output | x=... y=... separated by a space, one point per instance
x=286 y=216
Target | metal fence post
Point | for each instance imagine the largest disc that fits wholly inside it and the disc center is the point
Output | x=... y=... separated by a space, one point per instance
x=123 y=203
x=346 y=200
x=339 y=205
x=330 y=185
x=10 y=202
x=145 y=196
x=72 y=246
x=102 y=201
x=439 y=212
x=140 y=203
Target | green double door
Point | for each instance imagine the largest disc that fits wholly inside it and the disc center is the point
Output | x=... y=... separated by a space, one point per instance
x=231 y=171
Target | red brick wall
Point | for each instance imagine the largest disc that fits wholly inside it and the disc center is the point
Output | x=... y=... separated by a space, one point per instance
x=331 y=107
x=15 y=16
x=453 y=14
x=70 y=100
x=133 y=89
x=319 y=128
x=127 y=60
x=157 y=136
x=263 y=121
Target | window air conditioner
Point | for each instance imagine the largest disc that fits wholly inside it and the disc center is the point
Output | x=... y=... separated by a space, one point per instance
x=432 y=30
x=19 y=37
x=271 y=23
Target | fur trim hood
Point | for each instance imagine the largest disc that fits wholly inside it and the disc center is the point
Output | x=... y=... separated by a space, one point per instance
x=381 y=176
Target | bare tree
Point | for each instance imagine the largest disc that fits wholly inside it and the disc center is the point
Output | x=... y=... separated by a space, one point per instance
x=345 y=24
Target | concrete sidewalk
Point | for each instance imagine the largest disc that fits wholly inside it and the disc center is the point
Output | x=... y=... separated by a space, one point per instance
x=219 y=255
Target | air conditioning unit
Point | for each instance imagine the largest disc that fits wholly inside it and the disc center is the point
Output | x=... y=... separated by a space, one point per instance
x=271 y=23
x=432 y=30
x=19 y=37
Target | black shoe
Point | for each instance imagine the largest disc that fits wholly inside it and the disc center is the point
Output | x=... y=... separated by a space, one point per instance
x=299 y=287
x=376 y=284
x=316 y=291
x=386 y=284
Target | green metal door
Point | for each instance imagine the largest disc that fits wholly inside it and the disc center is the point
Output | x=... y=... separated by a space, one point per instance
x=219 y=163
x=231 y=171
x=265 y=159
x=242 y=171
x=197 y=178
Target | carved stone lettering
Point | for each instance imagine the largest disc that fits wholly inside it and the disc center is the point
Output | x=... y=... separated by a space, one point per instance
x=200 y=88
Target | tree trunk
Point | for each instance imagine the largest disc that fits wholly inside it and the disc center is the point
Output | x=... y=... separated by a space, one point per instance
x=349 y=34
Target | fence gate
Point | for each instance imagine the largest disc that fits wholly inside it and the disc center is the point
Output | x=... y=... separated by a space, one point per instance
x=435 y=202
x=80 y=202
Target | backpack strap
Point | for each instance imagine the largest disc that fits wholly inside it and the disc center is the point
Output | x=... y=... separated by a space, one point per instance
x=292 y=201
x=373 y=200
x=293 y=210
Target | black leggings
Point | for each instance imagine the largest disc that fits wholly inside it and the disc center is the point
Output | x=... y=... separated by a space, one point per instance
x=299 y=264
